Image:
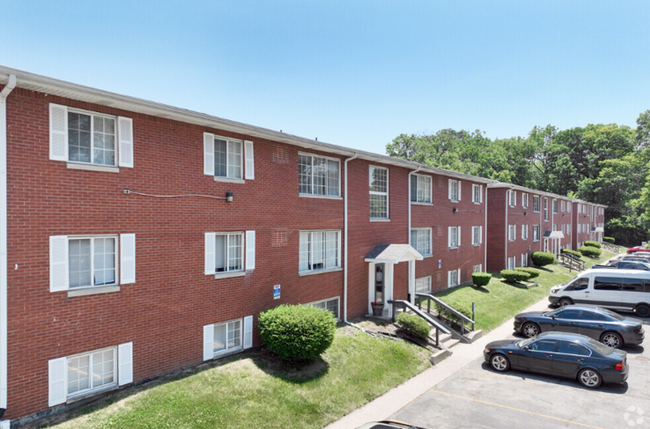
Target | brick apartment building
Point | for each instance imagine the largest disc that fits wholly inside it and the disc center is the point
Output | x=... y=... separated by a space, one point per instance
x=128 y=224
x=589 y=220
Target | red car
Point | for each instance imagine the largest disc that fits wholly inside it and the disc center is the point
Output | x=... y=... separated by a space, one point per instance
x=637 y=249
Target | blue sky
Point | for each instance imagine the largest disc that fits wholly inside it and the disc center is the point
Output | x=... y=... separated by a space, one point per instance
x=353 y=73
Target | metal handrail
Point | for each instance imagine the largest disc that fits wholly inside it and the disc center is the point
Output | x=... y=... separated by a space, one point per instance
x=439 y=327
x=446 y=306
x=580 y=264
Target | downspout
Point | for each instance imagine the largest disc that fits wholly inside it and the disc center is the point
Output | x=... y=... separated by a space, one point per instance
x=485 y=231
x=409 y=232
x=345 y=232
x=11 y=84
x=507 y=226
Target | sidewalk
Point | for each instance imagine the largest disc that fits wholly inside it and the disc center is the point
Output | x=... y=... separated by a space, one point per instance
x=395 y=399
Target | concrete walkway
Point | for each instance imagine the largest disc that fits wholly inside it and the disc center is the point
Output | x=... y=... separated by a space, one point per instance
x=400 y=396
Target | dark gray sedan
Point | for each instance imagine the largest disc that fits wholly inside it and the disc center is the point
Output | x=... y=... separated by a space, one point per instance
x=601 y=324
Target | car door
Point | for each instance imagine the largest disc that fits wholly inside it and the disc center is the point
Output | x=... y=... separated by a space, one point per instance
x=565 y=320
x=568 y=358
x=606 y=291
x=591 y=324
x=578 y=290
x=538 y=356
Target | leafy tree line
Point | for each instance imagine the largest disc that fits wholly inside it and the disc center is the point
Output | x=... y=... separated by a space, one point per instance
x=603 y=163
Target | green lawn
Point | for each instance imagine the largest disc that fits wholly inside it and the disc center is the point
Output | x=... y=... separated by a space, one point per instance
x=254 y=390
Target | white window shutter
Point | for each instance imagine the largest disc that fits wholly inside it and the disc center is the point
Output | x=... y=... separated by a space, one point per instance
x=125 y=130
x=57 y=381
x=448 y=236
x=480 y=234
x=125 y=360
x=210 y=261
x=58 y=132
x=459 y=188
x=250 y=160
x=127 y=258
x=448 y=278
x=250 y=250
x=458 y=281
x=59 y=278
x=481 y=198
x=208 y=342
x=459 y=236
x=208 y=154
x=248 y=332
x=449 y=188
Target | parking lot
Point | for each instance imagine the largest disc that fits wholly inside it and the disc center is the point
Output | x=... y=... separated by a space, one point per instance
x=478 y=397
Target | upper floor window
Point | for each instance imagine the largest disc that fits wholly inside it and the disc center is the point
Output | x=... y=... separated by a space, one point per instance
x=319 y=250
x=536 y=203
x=563 y=208
x=420 y=188
x=453 y=236
x=512 y=232
x=535 y=232
x=421 y=240
x=554 y=206
x=319 y=175
x=568 y=207
x=81 y=137
x=513 y=198
x=477 y=194
x=545 y=208
x=454 y=190
x=378 y=193
x=554 y=227
x=477 y=235
x=227 y=159
x=229 y=254
x=524 y=200
x=524 y=232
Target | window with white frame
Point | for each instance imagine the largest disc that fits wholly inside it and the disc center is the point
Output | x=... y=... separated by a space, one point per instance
x=524 y=232
x=535 y=232
x=513 y=198
x=579 y=228
x=421 y=189
x=568 y=207
x=545 y=208
x=568 y=229
x=331 y=305
x=512 y=262
x=524 y=259
x=319 y=175
x=512 y=232
x=227 y=337
x=453 y=236
x=88 y=262
x=229 y=252
x=228 y=156
x=477 y=194
x=563 y=228
x=477 y=268
x=319 y=250
x=554 y=228
x=524 y=200
x=563 y=206
x=378 y=193
x=579 y=208
x=453 y=278
x=554 y=206
x=454 y=190
x=535 y=203
x=423 y=285
x=477 y=235
x=421 y=240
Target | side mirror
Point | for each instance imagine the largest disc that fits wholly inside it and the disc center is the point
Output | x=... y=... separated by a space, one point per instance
x=526 y=348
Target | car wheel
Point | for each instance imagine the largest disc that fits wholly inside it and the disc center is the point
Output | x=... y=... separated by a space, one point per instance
x=530 y=329
x=612 y=339
x=499 y=362
x=565 y=301
x=589 y=378
x=643 y=310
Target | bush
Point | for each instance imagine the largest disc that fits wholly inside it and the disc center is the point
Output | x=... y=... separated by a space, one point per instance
x=590 y=251
x=297 y=332
x=515 y=275
x=414 y=325
x=481 y=279
x=443 y=312
x=593 y=244
x=609 y=239
x=572 y=252
x=542 y=258
x=532 y=271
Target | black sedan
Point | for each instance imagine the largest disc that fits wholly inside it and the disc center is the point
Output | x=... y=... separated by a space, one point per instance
x=564 y=355
x=601 y=324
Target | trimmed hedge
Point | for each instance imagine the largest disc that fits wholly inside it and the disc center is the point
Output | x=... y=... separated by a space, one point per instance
x=609 y=239
x=297 y=332
x=542 y=258
x=481 y=279
x=443 y=312
x=593 y=244
x=515 y=275
x=532 y=271
x=414 y=325
x=572 y=252
x=590 y=251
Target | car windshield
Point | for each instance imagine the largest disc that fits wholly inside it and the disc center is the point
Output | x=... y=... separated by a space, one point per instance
x=524 y=343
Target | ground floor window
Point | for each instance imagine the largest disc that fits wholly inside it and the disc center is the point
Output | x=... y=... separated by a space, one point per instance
x=453 y=278
x=477 y=268
x=524 y=259
x=331 y=304
x=227 y=337
x=423 y=285
x=512 y=262
x=91 y=371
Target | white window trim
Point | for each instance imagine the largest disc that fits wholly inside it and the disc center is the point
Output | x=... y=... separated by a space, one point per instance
x=430 y=196
x=454 y=183
x=545 y=208
x=449 y=278
x=449 y=235
x=427 y=278
x=387 y=193
x=538 y=233
x=512 y=232
x=554 y=207
x=309 y=272
x=477 y=268
x=312 y=195
x=326 y=300
x=539 y=203
x=228 y=351
x=233 y=273
x=524 y=200
x=92 y=391
x=242 y=161
x=512 y=197
x=415 y=245
x=524 y=232
x=477 y=189
x=480 y=235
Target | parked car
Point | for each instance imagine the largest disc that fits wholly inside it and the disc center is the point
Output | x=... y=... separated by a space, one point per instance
x=560 y=354
x=627 y=264
x=388 y=424
x=601 y=324
x=638 y=249
x=607 y=287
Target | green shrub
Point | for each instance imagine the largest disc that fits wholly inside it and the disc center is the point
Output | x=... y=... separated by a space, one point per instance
x=609 y=239
x=593 y=244
x=532 y=271
x=542 y=258
x=443 y=312
x=481 y=279
x=414 y=325
x=590 y=251
x=515 y=275
x=297 y=332
x=572 y=252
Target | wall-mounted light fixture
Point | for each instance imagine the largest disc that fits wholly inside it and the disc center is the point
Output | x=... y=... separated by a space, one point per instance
x=229 y=197
x=455 y=210
x=525 y=213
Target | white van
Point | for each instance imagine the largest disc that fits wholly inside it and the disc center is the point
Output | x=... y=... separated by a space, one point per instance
x=611 y=288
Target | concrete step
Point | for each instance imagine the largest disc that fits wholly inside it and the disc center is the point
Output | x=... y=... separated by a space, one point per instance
x=440 y=355
x=451 y=343
x=474 y=335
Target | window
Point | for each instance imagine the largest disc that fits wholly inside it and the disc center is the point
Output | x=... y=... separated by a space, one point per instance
x=563 y=228
x=453 y=278
x=545 y=208
x=88 y=262
x=569 y=348
x=319 y=250
x=477 y=235
x=512 y=232
x=319 y=175
x=227 y=157
x=535 y=232
x=421 y=240
x=524 y=259
x=477 y=194
x=477 y=268
x=568 y=229
x=568 y=207
x=454 y=190
x=563 y=206
x=554 y=206
x=453 y=234
x=524 y=232
x=229 y=252
x=227 y=337
x=332 y=305
x=512 y=262
x=543 y=346
x=578 y=284
x=423 y=285
x=91 y=371
x=569 y=314
x=513 y=198
x=420 y=189
x=535 y=203
x=607 y=283
x=378 y=193
x=554 y=227
x=579 y=206
x=524 y=200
